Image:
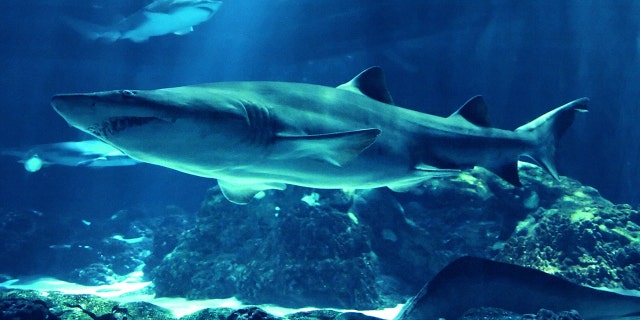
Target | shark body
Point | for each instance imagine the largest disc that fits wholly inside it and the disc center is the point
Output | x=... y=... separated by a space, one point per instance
x=254 y=136
x=470 y=282
x=88 y=153
x=159 y=18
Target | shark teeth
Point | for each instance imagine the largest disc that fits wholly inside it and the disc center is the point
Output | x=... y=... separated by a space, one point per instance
x=117 y=124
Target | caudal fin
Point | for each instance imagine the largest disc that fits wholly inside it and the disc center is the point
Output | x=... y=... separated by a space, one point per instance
x=547 y=131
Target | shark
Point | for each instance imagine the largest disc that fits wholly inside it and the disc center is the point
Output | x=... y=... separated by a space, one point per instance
x=471 y=282
x=255 y=136
x=87 y=153
x=160 y=17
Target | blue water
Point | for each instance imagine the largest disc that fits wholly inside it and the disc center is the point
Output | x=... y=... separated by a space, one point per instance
x=524 y=57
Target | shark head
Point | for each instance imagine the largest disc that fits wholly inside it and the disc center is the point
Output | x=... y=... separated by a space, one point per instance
x=208 y=7
x=156 y=125
x=169 y=5
x=106 y=114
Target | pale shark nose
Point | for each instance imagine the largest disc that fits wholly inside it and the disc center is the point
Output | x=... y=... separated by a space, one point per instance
x=64 y=102
x=57 y=101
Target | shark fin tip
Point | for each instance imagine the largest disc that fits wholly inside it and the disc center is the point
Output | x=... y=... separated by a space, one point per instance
x=475 y=111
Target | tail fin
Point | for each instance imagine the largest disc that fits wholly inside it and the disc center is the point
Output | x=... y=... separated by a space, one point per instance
x=547 y=131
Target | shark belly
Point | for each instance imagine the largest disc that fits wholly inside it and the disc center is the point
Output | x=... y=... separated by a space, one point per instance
x=367 y=171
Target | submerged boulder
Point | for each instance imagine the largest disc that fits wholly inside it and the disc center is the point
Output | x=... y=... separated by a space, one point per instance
x=359 y=249
x=579 y=236
x=280 y=250
x=374 y=248
x=36 y=305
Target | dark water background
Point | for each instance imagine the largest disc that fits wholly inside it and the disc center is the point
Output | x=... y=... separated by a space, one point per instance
x=525 y=57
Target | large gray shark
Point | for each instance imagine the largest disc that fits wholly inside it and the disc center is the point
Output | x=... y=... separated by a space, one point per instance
x=159 y=18
x=254 y=136
x=87 y=153
x=470 y=282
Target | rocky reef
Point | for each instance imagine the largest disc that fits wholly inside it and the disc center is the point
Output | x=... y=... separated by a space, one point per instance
x=362 y=249
x=578 y=235
x=32 y=305
x=371 y=248
x=84 y=250
x=275 y=250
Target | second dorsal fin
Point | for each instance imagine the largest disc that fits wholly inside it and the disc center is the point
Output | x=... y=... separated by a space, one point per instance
x=474 y=111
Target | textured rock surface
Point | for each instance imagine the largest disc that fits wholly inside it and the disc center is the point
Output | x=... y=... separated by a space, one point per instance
x=416 y=234
x=272 y=251
x=362 y=249
x=21 y=308
x=64 y=307
x=577 y=234
x=100 y=251
x=373 y=248
x=32 y=305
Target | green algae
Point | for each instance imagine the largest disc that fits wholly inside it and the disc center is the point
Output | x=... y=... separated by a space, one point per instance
x=584 y=214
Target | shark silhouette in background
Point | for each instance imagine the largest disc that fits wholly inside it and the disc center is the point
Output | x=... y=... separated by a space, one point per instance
x=88 y=153
x=159 y=18
x=254 y=136
x=470 y=282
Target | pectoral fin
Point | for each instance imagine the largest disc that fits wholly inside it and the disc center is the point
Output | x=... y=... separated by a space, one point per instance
x=335 y=148
x=423 y=173
x=244 y=193
x=184 y=31
x=89 y=162
x=433 y=172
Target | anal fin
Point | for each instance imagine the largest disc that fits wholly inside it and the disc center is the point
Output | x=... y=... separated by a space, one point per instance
x=508 y=172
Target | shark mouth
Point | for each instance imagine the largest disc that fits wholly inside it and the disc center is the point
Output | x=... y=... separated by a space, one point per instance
x=207 y=9
x=116 y=125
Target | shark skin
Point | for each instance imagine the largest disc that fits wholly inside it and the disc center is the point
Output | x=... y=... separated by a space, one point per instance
x=159 y=18
x=88 y=153
x=254 y=136
x=472 y=282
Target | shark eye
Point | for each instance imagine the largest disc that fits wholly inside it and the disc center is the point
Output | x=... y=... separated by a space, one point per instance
x=128 y=93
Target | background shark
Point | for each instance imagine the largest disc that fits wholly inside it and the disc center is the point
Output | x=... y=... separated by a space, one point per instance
x=88 y=153
x=470 y=282
x=254 y=136
x=159 y=18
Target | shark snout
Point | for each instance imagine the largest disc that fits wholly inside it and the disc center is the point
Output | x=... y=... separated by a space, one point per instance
x=58 y=102
x=63 y=103
x=77 y=109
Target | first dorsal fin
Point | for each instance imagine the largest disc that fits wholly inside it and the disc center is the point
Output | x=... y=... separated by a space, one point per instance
x=475 y=111
x=370 y=83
